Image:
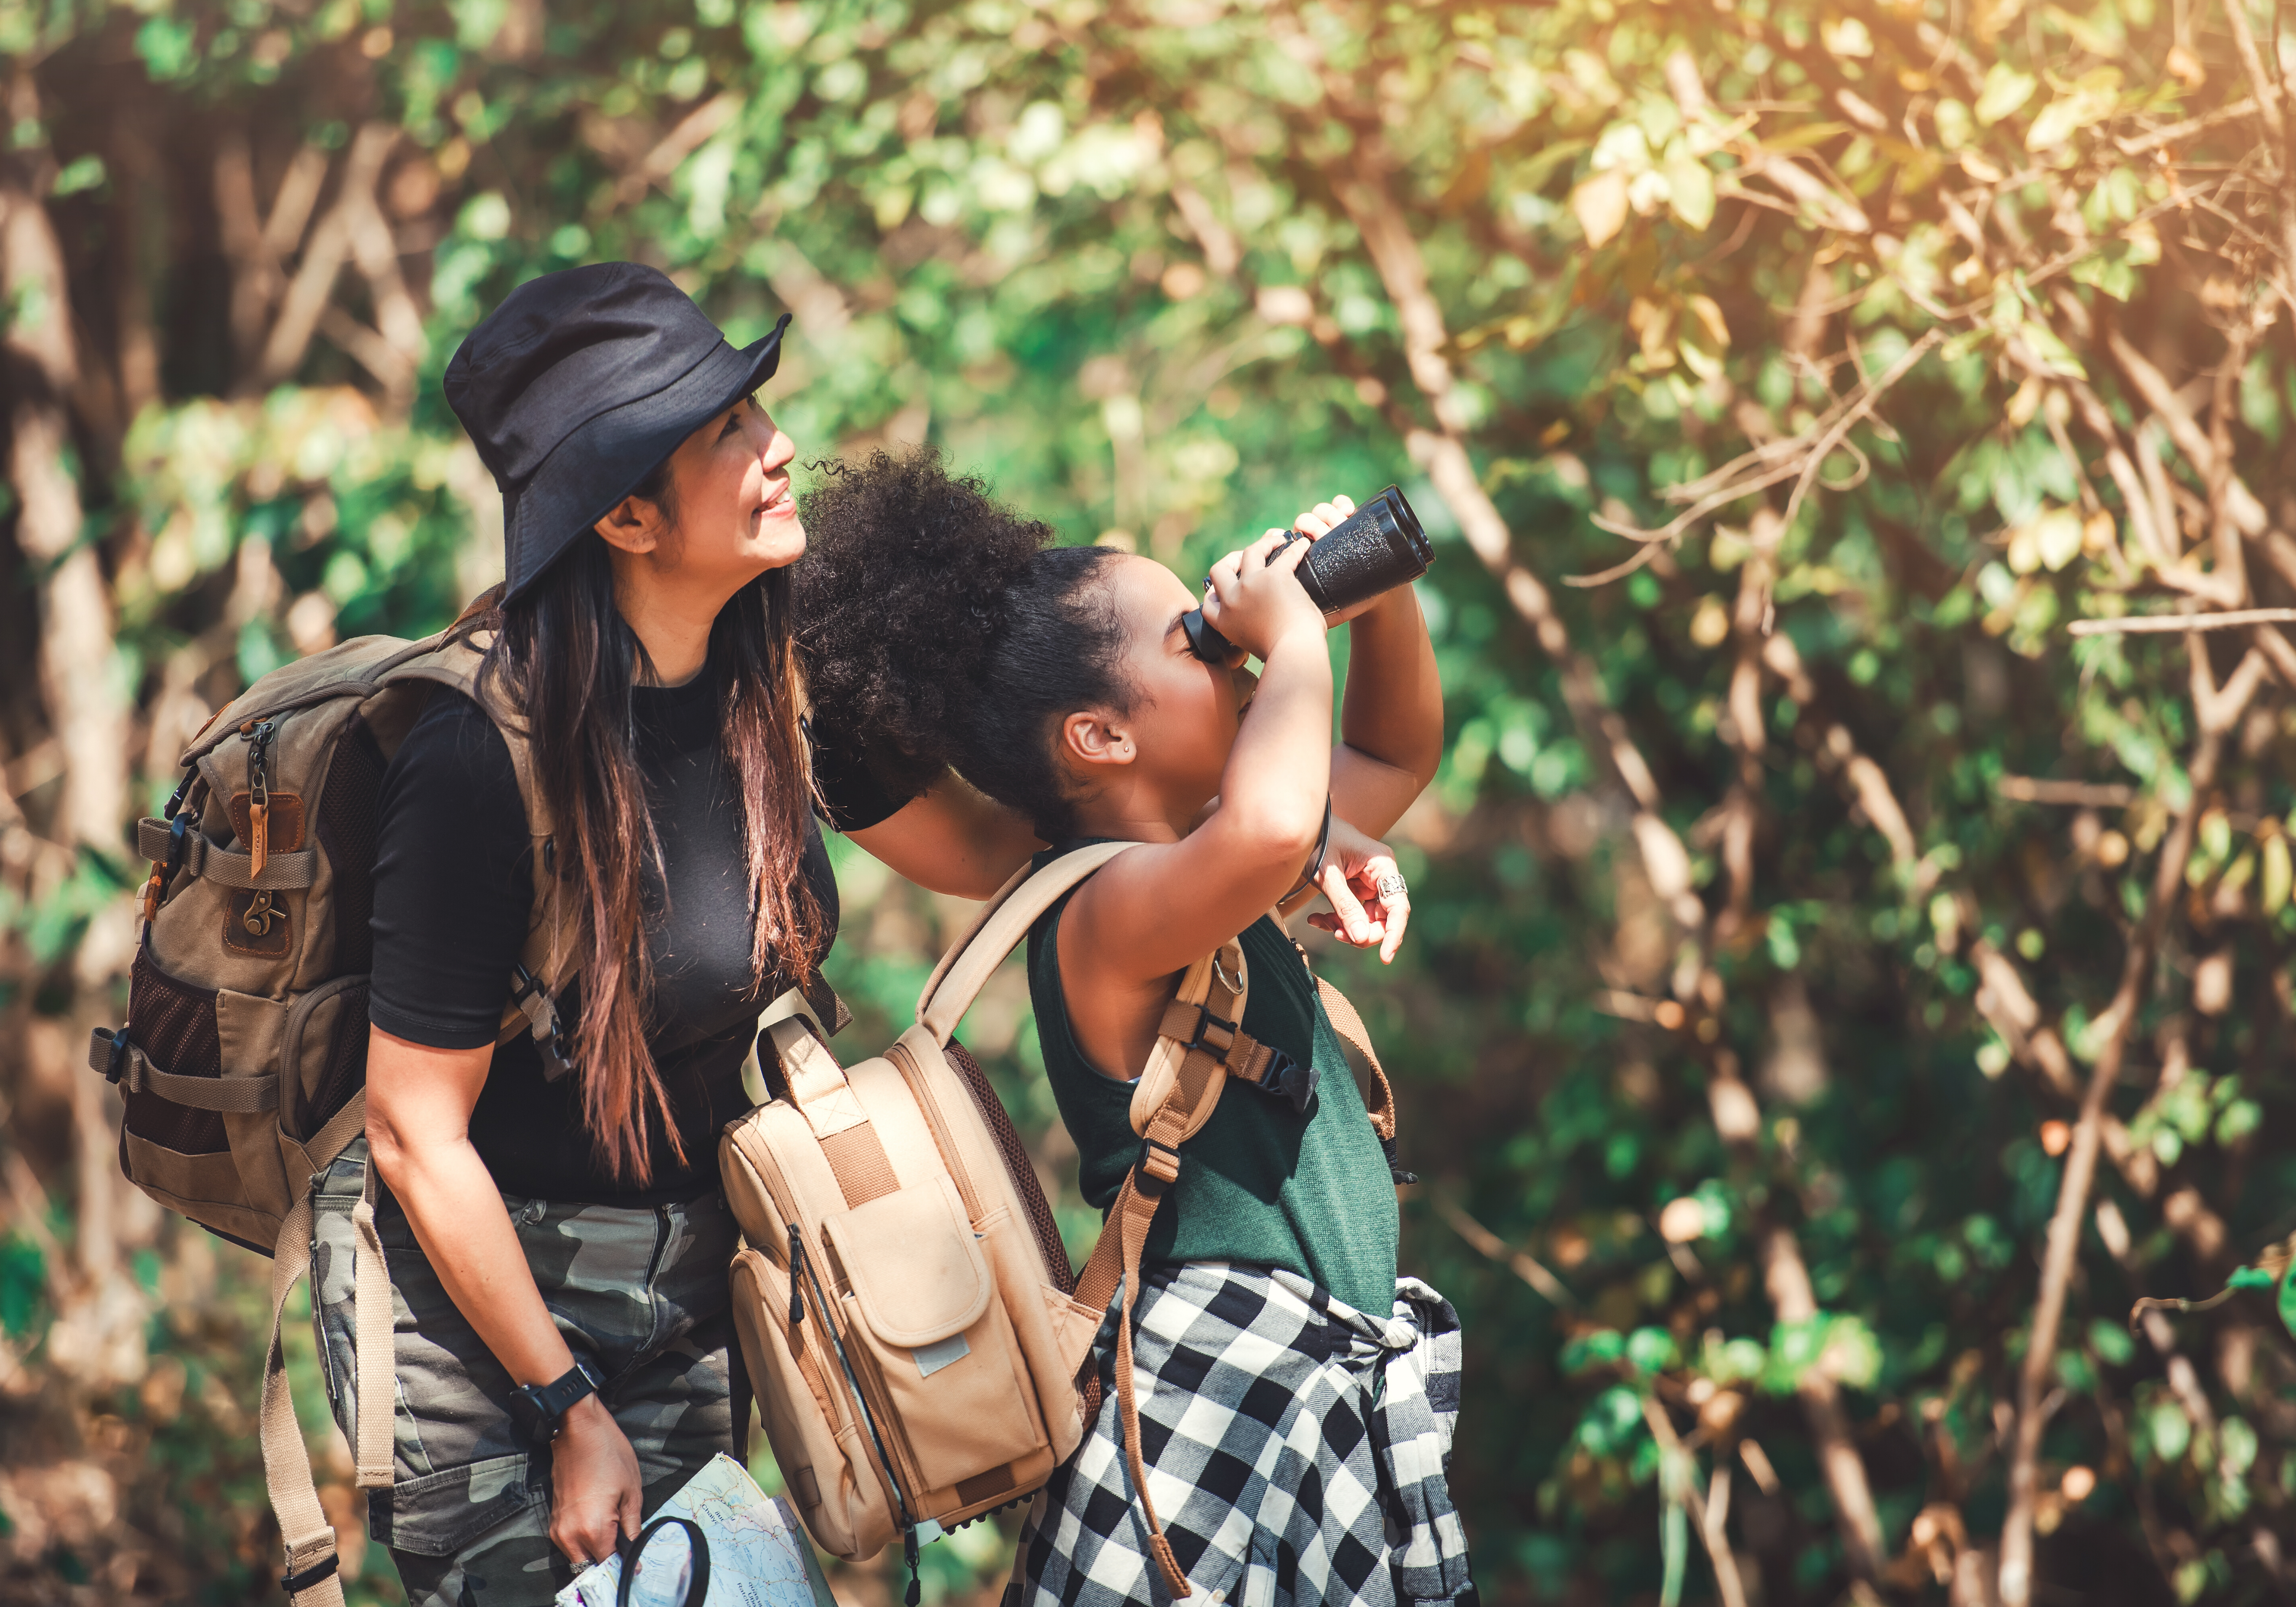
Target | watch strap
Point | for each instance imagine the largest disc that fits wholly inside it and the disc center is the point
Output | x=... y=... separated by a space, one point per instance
x=539 y=1409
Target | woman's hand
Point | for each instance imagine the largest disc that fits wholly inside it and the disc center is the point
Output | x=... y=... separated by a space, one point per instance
x=1254 y=599
x=595 y=1495
x=1356 y=868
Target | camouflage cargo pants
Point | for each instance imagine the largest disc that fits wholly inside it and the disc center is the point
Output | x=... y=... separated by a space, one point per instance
x=640 y=1294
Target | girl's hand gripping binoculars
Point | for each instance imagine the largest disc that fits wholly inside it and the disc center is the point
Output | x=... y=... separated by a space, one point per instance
x=1377 y=548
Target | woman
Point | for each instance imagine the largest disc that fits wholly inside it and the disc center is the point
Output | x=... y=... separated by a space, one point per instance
x=555 y=1241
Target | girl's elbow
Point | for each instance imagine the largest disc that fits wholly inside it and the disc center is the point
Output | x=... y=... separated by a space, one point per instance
x=1278 y=836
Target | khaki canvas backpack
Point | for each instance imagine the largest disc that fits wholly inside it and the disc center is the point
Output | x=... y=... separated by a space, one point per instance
x=243 y=1062
x=905 y=1304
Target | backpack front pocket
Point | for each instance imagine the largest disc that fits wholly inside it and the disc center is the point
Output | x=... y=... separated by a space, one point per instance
x=916 y=1291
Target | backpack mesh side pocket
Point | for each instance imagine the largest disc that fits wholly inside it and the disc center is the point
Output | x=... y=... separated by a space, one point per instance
x=174 y=1023
x=1017 y=1166
x=344 y=1071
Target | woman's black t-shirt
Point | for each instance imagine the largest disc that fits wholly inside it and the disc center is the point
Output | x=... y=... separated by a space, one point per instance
x=454 y=889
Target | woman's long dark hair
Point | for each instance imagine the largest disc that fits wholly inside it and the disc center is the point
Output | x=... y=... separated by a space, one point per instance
x=562 y=660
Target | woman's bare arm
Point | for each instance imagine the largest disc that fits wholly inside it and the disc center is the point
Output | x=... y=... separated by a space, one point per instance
x=1391 y=716
x=952 y=840
x=418 y=1114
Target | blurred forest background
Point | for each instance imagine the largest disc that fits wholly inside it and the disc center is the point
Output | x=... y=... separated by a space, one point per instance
x=1836 y=990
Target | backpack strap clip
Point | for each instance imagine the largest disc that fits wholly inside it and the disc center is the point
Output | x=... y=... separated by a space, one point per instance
x=324 y=1569
x=527 y=993
x=1286 y=1078
x=1213 y=1034
x=1160 y=1161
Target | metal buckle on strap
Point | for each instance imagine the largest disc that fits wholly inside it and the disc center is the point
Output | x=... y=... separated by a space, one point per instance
x=292 y=1582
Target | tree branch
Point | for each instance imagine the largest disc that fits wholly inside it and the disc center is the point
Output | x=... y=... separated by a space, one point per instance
x=2218 y=711
x=331 y=243
x=1709 y=1520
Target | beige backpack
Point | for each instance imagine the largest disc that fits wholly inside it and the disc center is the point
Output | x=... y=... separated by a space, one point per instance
x=905 y=1304
x=243 y=1060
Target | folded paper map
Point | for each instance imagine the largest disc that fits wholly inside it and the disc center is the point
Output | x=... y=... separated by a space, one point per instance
x=758 y=1554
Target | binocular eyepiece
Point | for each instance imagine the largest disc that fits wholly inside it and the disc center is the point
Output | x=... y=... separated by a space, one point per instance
x=1377 y=548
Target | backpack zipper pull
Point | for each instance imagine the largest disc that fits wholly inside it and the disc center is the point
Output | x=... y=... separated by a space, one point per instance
x=258 y=800
x=909 y=1555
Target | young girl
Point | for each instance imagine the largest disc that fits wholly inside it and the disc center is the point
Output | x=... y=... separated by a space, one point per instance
x=1295 y=1397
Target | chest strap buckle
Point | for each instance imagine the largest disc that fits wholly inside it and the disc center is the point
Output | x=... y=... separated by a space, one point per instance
x=1287 y=1080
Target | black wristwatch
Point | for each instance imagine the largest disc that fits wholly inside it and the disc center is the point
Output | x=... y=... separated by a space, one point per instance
x=537 y=1411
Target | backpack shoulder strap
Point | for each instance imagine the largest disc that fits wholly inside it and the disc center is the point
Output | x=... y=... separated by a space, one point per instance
x=1198 y=1043
x=554 y=928
x=998 y=931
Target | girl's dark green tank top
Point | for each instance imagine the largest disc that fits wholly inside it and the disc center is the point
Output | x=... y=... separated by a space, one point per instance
x=1260 y=1184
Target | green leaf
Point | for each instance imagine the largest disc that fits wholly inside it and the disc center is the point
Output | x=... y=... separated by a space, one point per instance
x=1653 y=1349
x=1690 y=192
x=166 y=46
x=82 y=173
x=2006 y=89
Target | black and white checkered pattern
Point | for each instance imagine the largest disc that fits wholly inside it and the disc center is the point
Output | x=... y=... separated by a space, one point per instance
x=1276 y=1477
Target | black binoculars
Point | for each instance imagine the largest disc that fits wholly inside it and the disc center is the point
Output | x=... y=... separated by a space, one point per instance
x=1378 y=548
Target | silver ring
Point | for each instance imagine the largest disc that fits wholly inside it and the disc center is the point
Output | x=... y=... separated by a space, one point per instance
x=1389 y=886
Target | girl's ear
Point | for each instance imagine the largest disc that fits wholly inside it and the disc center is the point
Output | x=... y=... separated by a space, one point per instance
x=633 y=525
x=1093 y=736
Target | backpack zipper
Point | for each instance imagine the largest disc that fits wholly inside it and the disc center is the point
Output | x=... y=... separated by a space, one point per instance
x=803 y=1264
x=259 y=733
x=920 y=1089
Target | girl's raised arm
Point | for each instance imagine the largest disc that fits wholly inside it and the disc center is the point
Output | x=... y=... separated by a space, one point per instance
x=1156 y=910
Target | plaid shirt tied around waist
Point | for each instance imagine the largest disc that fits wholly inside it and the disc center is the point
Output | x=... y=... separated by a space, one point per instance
x=1296 y=1452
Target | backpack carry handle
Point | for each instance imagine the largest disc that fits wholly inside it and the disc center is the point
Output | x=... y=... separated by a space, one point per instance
x=1003 y=922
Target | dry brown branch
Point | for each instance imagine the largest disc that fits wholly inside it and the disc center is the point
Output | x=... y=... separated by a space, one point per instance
x=76 y=622
x=2148 y=624
x=2278 y=648
x=1799 y=458
x=691 y=134
x=1520 y=1262
x=1709 y=1517
x=2081 y=794
x=331 y=243
x=1787 y=1280
x=388 y=366
x=2218 y=710
x=1363 y=184
x=1869 y=784
x=2152 y=385
x=2267 y=90
x=2008 y=1008
x=254 y=244
x=2176 y=133
x=1221 y=252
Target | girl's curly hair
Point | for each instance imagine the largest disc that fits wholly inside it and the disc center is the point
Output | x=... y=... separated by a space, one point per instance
x=941 y=629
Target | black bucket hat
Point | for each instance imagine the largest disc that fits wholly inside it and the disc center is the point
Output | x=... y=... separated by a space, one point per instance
x=579 y=385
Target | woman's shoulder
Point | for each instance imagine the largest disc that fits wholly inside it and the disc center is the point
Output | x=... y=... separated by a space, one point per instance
x=454 y=753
